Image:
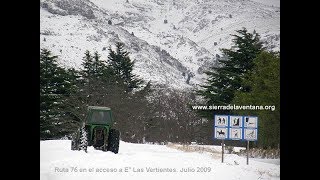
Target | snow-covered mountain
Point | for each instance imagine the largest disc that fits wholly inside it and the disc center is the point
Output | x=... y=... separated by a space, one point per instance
x=171 y=41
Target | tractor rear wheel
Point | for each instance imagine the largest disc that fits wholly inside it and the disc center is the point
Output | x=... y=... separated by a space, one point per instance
x=113 y=141
x=74 y=145
x=75 y=141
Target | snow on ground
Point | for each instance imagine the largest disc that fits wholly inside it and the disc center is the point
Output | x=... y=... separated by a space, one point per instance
x=145 y=161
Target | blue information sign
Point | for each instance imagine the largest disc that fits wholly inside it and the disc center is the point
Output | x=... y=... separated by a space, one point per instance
x=233 y=127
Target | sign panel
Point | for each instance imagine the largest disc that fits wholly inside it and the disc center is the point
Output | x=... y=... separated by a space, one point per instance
x=235 y=127
x=221 y=133
x=250 y=134
x=236 y=121
x=221 y=121
x=250 y=122
x=235 y=133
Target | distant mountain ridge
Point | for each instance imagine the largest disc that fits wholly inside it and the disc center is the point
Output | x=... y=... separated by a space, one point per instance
x=171 y=41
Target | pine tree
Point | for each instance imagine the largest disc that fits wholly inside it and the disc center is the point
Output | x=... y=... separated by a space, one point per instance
x=87 y=64
x=122 y=66
x=98 y=66
x=264 y=80
x=89 y=73
x=226 y=78
x=70 y=108
x=96 y=76
x=46 y=101
x=54 y=87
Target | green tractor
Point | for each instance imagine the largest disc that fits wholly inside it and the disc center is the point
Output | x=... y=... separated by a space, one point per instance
x=97 y=131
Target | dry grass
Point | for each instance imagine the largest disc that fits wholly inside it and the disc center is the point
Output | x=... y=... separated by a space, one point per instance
x=253 y=153
x=261 y=153
x=189 y=148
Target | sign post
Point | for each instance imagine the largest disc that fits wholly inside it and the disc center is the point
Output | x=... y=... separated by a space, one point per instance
x=222 y=145
x=247 y=152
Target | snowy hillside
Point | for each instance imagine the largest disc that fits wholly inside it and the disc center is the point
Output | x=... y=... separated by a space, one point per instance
x=275 y=3
x=145 y=162
x=172 y=41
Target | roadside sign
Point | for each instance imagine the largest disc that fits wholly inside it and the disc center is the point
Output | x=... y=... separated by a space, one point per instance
x=234 y=127
x=227 y=127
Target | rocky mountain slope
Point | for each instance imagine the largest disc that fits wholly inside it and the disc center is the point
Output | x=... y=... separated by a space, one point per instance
x=171 y=41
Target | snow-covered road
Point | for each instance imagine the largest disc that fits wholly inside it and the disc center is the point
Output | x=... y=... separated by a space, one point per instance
x=145 y=162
